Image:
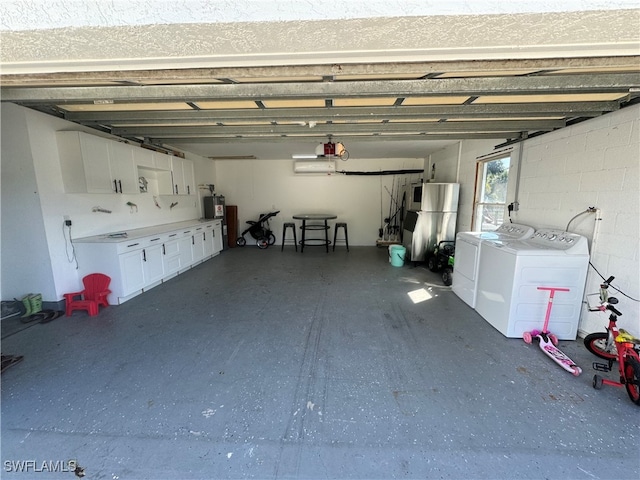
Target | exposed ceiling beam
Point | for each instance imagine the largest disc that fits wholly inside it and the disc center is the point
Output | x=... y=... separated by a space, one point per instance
x=217 y=130
x=321 y=138
x=337 y=70
x=576 y=109
x=559 y=84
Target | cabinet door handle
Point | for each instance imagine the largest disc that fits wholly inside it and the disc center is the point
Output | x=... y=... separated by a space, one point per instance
x=204 y=236
x=115 y=186
x=154 y=239
x=188 y=190
x=193 y=240
x=176 y=189
x=133 y=245
x=164 y=252
x=144 y=255
x=120 y=183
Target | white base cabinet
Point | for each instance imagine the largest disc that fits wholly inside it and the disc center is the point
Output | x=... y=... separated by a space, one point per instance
x=217 y=237
x=143 y=260
x=170 y=256
x=131 y=273
x=152 y=263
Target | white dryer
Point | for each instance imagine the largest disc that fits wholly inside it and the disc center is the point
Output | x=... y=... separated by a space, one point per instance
x=510 y=273
x=467 y=256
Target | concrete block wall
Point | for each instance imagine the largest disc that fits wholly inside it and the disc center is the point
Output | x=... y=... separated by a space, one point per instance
x=595 y=163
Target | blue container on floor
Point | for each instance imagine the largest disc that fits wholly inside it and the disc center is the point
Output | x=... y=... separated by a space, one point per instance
x=396 y=255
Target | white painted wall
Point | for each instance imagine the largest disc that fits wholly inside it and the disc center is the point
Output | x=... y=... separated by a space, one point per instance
x=24 y=260
x=593 y=163
x=35 y=256
x=260 y=186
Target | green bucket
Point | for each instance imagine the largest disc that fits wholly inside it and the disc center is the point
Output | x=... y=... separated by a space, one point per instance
x=396 y=255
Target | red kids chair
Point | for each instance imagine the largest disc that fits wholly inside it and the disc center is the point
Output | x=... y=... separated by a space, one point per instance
x=96 y=290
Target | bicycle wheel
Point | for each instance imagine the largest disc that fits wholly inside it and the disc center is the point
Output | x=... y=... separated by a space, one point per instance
x=632 y=379
x=596 y=343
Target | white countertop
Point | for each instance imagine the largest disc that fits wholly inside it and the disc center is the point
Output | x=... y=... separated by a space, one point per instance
x=135 y=233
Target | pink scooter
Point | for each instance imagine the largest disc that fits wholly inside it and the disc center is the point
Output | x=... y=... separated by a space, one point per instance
x=548 y=340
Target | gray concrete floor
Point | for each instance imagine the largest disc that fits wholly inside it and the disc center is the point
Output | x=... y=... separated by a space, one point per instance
x=268 y=364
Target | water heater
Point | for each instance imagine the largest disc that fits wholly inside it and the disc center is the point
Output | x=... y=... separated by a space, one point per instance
x=214 y=206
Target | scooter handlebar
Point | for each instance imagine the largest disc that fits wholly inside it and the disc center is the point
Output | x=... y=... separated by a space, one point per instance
x=614 y=310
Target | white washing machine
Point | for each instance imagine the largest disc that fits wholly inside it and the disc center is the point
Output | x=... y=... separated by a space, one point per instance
x=467 y=257
x=510 y=272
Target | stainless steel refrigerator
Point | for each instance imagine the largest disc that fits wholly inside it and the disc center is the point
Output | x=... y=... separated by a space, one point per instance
x=431 y=217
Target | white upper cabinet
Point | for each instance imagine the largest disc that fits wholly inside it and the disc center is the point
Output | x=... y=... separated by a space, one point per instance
x=183 y=176
x=143 y=158
x=92 y=164
x=85 y=163
x=162 y=161
x=124 y=173
x=154 y=171
x=150 y=159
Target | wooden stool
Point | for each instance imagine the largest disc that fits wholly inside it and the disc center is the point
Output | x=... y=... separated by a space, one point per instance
x=335 y=234
x=292 y=226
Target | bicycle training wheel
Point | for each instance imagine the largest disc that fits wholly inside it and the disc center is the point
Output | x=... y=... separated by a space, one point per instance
x=597 y=382
x=596 y=343
x=632 y=379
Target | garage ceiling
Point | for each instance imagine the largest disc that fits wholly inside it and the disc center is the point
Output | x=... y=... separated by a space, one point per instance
x=276 y=108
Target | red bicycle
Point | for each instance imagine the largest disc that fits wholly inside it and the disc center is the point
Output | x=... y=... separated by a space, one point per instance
x=615 y=344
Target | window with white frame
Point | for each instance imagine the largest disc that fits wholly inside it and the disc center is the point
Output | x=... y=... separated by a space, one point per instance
x=492 y=178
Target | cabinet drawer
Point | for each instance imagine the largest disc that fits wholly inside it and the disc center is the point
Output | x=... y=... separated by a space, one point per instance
x=155 y=240
x=130 y=246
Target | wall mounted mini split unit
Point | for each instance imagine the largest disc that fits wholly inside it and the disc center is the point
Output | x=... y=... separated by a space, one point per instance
x=319 y=166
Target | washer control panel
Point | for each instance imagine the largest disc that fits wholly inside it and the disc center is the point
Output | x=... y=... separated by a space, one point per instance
x=515 y=230
x=557 y=239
